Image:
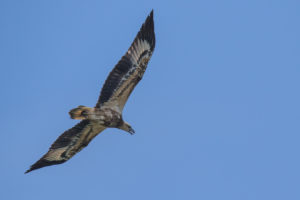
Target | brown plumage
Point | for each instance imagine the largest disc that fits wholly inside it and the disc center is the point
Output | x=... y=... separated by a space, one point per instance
x=108 y=110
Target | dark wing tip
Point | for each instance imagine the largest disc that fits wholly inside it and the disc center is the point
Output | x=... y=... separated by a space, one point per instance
x=151 y=13
x=43 y=163
x=147 y=31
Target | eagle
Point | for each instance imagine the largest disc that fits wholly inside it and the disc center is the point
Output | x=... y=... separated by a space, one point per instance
x=108 y=111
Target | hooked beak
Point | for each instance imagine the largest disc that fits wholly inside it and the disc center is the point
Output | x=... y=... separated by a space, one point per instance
x=131 y=131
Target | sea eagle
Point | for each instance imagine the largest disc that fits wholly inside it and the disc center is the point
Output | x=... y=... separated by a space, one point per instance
x=108 y=111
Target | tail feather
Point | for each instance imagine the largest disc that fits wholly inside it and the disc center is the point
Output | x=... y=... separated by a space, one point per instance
x=81 y=112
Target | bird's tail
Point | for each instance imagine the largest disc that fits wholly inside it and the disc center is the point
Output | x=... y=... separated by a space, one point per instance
x=81 y=112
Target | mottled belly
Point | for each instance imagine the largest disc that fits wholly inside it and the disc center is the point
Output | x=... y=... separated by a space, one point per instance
x=108 y=117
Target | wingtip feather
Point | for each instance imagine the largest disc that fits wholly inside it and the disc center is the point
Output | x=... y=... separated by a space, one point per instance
x=151 y=13
x=147 y=30
x=43 y=163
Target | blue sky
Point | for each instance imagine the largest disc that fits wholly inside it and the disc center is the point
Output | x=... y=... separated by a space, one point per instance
x=216 y=114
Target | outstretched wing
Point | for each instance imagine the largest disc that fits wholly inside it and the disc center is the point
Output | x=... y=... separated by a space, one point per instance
x=68 y=144
x=130 y=69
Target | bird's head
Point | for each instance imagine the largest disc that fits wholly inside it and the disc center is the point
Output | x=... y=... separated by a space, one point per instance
x=126 y=127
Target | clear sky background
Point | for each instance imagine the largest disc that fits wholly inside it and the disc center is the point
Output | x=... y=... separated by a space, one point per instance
x=216 y=114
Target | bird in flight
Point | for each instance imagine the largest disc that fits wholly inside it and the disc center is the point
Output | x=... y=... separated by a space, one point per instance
x=108 y=111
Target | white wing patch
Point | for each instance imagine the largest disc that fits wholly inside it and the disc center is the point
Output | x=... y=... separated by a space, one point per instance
x=55 y=154
x=135 y=52
x=137 y=49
